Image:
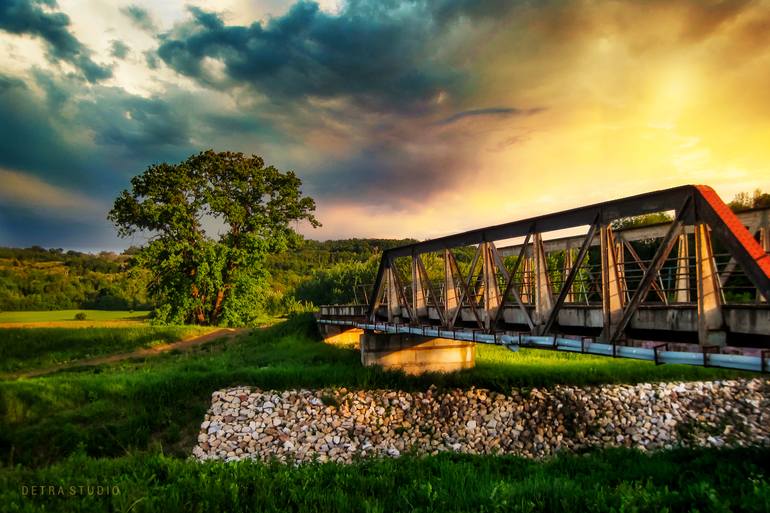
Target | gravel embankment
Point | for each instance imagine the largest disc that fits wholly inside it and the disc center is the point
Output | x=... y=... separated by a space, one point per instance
x=340 y=425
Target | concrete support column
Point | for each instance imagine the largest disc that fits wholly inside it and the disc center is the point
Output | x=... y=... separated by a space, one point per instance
x=415 y=354
x=710 y=318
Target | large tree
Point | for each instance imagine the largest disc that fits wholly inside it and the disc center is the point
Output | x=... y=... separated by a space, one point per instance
x=211 y=278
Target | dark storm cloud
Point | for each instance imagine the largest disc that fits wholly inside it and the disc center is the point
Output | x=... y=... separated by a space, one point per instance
x=492 y=111
x=140 y=17
x=29 y=140
x=28 y=17
x=24 y=227
x=117 y=134
x=99 y=140
x=119 y=49
x=136 y=123
x=384 y=173
x=384 y=62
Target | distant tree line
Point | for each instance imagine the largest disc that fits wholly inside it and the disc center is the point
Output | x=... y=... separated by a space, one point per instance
x=313 y=273
x=52 y=279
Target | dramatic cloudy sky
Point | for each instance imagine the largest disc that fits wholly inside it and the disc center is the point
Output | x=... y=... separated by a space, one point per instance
x=403 y=117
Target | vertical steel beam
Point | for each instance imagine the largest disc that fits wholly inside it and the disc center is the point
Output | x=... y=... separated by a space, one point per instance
x=526 y=279
x=568 y=264
x=621 y=266
x=491 y=295
x=612 y=287
x=419 y=303
x=451 y=292
x=394 y=298
x=764 y=241
x=543 y=290
x=682 y=292
x=710 y=318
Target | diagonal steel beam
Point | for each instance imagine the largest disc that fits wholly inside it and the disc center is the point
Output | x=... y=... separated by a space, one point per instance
x=656 y=285
x=377 y=290
x=510 y=289
x=738 y=240
x=572 y=275
x=433 y=295
x=464 y=292
x=400 y=291
x=657 y=263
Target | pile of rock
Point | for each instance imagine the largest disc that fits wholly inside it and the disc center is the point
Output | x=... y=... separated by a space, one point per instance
x=341 y=425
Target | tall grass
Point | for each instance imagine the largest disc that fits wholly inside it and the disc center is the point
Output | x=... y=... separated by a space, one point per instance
x=620 y=480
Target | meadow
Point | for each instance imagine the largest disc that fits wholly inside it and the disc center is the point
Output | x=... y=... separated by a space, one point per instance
x=68 y=316
x=132 y=424
x=23 y=349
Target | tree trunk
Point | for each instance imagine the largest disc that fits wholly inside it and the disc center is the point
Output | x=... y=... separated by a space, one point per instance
x=200 y=316
x=218 y=306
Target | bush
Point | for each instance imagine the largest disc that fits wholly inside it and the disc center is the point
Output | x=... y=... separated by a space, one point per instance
x=80 y=316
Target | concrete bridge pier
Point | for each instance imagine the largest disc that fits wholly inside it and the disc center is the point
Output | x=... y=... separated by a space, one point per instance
x=415 y=354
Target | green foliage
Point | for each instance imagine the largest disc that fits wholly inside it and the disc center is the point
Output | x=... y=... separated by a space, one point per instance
x=40 y=279
x=745 y=201
x=339 y=284
x=195 y=277
x=80 y=316
x=642 y=220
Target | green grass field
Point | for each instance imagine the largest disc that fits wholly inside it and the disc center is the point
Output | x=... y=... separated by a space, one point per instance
x=134 y=422
x=69 y=315
x=23 y=349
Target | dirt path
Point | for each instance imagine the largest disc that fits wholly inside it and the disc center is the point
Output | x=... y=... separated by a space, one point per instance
x=183 y=345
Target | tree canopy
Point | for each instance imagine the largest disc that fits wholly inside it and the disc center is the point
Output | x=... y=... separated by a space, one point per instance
x=202 y=277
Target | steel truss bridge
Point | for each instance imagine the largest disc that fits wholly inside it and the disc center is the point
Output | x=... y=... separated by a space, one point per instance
x=588 y=280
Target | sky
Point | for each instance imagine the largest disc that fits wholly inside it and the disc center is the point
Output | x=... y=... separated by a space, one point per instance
x=404 y=118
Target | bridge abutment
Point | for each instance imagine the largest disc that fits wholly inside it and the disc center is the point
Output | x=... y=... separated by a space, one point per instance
x=343 y=335
x=416 y=354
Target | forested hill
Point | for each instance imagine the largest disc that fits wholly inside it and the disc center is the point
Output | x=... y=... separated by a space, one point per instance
x=45 y=279
x=50 y=279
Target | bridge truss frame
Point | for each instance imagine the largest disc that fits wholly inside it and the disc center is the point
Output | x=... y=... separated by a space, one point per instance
x=697 y=208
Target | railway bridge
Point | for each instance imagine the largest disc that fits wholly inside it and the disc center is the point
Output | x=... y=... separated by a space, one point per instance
x=692 y=288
